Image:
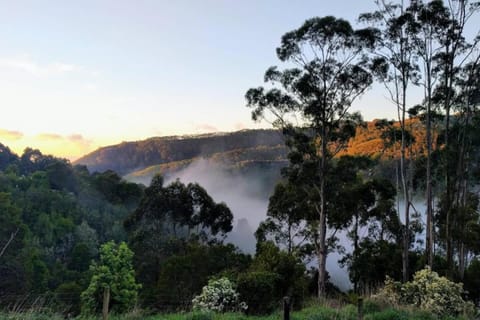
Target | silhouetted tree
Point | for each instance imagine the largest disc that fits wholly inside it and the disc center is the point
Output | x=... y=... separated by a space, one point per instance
x=329 y=76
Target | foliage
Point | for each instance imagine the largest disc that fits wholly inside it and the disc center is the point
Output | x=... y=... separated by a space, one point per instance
x=428 y=291
x=186 y=270
x=328 y=74
x=164 y=230
x=115 y=273
x=219 y=296
x=472 y=281
x=289 y=269
x=259 y=290
x=67 y=296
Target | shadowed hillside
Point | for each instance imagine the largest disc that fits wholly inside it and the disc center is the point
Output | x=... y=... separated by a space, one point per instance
x=140 y=160
x=127 y=157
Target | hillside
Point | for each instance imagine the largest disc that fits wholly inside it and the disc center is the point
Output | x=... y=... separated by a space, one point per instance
x=368 y=140
x=140 y=160
x=127 y=157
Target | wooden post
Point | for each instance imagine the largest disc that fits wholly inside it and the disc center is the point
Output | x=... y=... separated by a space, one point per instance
x=286 y=308
x=360 y=308
x=106 y=302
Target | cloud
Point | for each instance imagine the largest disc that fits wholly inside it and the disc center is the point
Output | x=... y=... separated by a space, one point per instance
x=239 y=126
x=71 y=146
x=90 y=86
x=79 y=139
x=75 y=138
x=27 y=64
x=49 y=136
x=10 y=134
x=205 y=127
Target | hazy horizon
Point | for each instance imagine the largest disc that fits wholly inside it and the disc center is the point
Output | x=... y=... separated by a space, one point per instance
x=78 y=76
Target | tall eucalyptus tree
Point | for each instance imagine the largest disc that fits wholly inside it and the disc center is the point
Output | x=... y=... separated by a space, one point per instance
x=310 y=101
x=395 y=66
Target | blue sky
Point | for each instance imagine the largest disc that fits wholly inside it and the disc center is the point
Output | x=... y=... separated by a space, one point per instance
x=76 y=75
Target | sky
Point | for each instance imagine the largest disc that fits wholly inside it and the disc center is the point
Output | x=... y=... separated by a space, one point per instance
x=78 y=75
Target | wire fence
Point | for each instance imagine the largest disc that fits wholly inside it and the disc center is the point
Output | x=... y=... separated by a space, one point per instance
x=67 y=303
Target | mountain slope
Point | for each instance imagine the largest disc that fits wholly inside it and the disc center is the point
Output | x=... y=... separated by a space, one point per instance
x=140 y=160
x=127 y=157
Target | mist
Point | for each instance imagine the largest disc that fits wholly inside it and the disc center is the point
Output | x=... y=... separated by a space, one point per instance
x=247 y=197
x=244 y=195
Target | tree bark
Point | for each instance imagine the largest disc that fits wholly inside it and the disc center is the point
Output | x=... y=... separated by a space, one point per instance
x=429 y=232
x=405 y=186
x=322 y=225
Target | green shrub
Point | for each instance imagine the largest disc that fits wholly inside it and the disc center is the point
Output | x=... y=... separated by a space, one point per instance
x=257 y=289
x=371 y=306
x=290 y=271
x=389 y=314
x=67 y=296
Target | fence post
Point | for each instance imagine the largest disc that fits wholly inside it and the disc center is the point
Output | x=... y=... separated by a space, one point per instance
x=360 y=308
x=286 y=308
x=106 y=302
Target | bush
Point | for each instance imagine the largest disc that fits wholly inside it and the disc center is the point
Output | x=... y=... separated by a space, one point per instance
x=389 y=314
x=219 y=296
x=371 y=306
x=428 y=291
x=472 y=281
x=67 y=296
x=257 y=289
x=290 y=270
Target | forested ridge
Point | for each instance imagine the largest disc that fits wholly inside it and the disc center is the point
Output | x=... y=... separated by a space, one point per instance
x=141 y=160
x=127 y=157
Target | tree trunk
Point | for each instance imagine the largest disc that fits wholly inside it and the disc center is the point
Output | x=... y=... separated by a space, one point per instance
x=406 y=195
x=322 y=248
x=461 y=261
x=106 y=302
x=429 y=232
x=322 y=224
x=355 y=255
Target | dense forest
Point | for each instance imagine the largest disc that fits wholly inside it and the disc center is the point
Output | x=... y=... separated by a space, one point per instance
x=80 y=239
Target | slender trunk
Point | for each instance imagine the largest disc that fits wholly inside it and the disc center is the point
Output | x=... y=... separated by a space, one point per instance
x=448 y=194
x=406 y=195
x=461 y=261
x=449 y=69
x=12 y=236
x=355 y=255
x=290 y=240
x=427 y=54
x=322 y=225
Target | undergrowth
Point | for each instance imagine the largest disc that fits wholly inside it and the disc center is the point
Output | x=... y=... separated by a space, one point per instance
x=327 y=311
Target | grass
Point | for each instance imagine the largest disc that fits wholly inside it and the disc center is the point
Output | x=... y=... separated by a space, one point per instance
x=313 y=312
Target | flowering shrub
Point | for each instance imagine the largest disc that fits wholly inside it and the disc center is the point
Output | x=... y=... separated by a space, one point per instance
x=436 y=294
x=429 y=292
x=219 y=296
x=390 y=293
